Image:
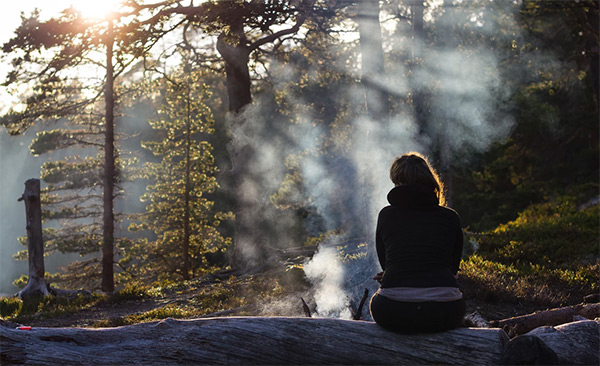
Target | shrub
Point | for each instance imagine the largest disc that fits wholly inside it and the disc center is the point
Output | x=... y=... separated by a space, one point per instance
x=131 y=291
x=10 y=306
x=548 y=256
x=549 y=234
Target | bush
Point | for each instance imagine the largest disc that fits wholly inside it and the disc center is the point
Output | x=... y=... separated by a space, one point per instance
x=548 y=256
x=131 y=291
x=548 y=234
x=10 y=306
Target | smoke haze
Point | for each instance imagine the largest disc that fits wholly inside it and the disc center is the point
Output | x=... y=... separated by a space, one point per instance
x=467 y=114
x=346 y=191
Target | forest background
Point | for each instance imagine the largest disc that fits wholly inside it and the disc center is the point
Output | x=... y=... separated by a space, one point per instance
x=248 y=129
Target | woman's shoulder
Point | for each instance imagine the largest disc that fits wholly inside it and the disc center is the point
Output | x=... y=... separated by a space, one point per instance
x=450 y=212
x=386 y=210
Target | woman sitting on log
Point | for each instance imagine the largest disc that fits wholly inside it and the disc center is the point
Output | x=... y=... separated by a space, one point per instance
x=419 y=244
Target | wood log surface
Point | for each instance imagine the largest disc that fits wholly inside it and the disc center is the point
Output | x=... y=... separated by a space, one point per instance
x=249 y=341
x=522 y=324
x=575 y=343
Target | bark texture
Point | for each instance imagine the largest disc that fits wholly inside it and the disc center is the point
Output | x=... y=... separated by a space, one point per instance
x=249 y=341
x=576 y=343
x=525 y=323
x=108 y=218
x=36 y=285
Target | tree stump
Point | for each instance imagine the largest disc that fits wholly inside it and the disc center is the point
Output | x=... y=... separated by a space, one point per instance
x=36 y=286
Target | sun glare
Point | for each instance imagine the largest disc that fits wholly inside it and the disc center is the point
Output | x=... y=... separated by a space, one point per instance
x=96 y=8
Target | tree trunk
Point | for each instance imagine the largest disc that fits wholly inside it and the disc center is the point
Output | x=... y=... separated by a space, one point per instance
x=247 y=252
x=593 y=51
x=373 y=66
x=574 y=343
x=237 y=72
x=418 y=40
x=250 y=341
x=36 y=285
x=108 y=224
x=187 y=188
x=446 y=40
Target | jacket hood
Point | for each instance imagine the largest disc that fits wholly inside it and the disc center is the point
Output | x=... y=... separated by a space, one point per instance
x=412 y=195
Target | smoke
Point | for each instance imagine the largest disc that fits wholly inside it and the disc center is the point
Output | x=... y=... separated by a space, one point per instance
x=327 y=274
x=14 y=158
x=466 y=113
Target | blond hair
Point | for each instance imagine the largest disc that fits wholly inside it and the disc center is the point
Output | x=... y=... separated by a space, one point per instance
x=414 y=168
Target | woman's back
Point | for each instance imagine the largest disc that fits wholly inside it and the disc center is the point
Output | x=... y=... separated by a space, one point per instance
x=419 y=243
x=419 y=246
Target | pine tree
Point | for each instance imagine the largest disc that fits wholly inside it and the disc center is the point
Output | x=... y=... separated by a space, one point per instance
x=69 y=63
x=179 y=214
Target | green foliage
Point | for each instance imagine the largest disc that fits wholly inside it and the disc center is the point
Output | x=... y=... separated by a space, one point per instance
x=131 y=291
x=553 y=146
x=547 y=256
x=552 y=233
x=199 y=298
x=51 y=306
x=168 y=311
x=10 y=306
x=178 y=212
x=21 y=282
x=33 y=305
x=56 y=306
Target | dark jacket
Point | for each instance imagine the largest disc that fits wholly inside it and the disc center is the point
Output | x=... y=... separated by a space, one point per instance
x=419 y=243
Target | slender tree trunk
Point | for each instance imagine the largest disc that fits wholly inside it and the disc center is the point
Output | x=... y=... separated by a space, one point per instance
x=446 y=41
x=109 y=170
x=373 y=67
x=36 y=285
x=186 y=214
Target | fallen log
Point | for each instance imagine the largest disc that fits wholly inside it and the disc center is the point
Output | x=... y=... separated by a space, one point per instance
x=522 y=324
x=249 y=341
x=575 y=343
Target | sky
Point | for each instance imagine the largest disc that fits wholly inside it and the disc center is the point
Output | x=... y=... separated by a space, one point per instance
x=10 y=19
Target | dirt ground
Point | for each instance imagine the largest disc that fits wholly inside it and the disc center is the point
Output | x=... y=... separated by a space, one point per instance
x=111 y=313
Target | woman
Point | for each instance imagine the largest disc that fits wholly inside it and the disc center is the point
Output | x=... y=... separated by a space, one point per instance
x=419 y=244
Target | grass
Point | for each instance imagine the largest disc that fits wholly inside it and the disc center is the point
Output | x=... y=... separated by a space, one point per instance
x=15 y=309
x=205 y=298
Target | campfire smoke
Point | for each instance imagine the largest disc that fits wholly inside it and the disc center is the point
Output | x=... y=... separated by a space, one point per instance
x=326 y=272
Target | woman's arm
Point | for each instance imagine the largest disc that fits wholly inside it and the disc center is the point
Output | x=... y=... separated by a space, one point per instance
x=379 y=245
